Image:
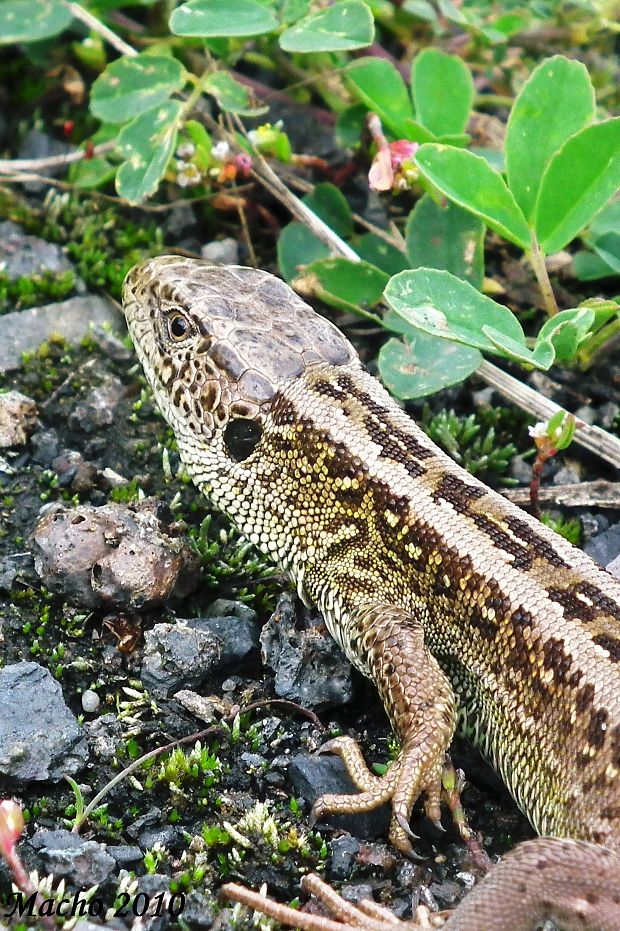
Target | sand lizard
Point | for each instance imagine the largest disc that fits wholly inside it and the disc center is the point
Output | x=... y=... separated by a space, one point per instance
x=459 y=606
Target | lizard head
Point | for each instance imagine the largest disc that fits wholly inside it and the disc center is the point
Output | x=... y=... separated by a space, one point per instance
x=218 y=344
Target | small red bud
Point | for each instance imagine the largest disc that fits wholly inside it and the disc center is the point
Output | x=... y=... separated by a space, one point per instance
x=11 y=826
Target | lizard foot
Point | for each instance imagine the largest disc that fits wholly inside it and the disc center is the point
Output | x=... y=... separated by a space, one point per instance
x=416 y=771
x=421 y=706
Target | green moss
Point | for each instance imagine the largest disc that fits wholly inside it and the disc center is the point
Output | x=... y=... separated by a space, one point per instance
x=33 y=290
x=232 y=567
x=479 y=442
x=570 y=528
x=127 y=494
x=101 y=241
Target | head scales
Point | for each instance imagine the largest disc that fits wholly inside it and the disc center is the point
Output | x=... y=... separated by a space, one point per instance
x=246 y=335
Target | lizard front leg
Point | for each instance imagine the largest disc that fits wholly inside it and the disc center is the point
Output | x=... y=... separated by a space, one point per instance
x=422 y=709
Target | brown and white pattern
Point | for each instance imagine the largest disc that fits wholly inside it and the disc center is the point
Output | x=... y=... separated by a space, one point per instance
x=452 y=599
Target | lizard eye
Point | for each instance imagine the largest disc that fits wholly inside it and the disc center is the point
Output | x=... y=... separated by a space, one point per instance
x=179 y=327
x=241 y=437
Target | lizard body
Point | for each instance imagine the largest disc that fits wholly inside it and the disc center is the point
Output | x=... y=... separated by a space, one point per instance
x=453 y=600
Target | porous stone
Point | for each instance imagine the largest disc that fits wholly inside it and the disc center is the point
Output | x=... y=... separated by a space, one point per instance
x=18 y=418
x=119 y=554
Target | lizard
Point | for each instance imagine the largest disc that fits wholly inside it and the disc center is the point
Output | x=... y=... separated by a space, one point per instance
x=462 y=608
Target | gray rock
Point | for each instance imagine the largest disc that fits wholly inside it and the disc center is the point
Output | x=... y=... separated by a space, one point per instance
x=84 y=862
x=178 y=657
x=180 y=221
x=18 y=418
x=586 y=413
x=105 y=736
x=483 y=398
x=224 y=607
x=614 y=567
x=313 y=776
x=238 y=636
x=45 y=446
x=125 y=855
x=39 y=736
x=152 y=817
x=22 y=255
x=113 y=924
x=569 y=474
x=253 y=762
x=343 y=852
x=164 y=834
x=207 y=709
x=221 y=252
x=607 y=413
x=446 y=894
x=25 y=330
x=112 y=345
x=8 y=573
x=593 y=524
x=605 y=547
x=309 y=667
x=520 y=469
x=152 y=885
x=357 y=892
x=97 y=410
x=198 y=912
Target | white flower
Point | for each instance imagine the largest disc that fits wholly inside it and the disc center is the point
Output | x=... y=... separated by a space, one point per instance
x=220 y=151
x=186 y=150
x=539 y=429
x=189 y=176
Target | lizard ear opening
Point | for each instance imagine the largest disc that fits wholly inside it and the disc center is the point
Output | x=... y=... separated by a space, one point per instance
x=241 y=437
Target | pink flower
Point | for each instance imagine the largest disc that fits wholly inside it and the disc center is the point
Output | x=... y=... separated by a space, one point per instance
x=393 y=167
x=243 y=161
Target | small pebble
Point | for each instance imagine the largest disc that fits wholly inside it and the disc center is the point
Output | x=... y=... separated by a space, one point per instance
x=90 y=701
x=221 y=252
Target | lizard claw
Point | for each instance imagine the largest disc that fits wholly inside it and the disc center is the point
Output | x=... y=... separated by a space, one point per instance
x=404 y=826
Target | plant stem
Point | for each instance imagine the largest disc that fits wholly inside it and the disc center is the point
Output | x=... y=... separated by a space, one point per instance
x=537 y=258
x=493 y=100
x=602 y=342
x=97 y=26
x=198 y=89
